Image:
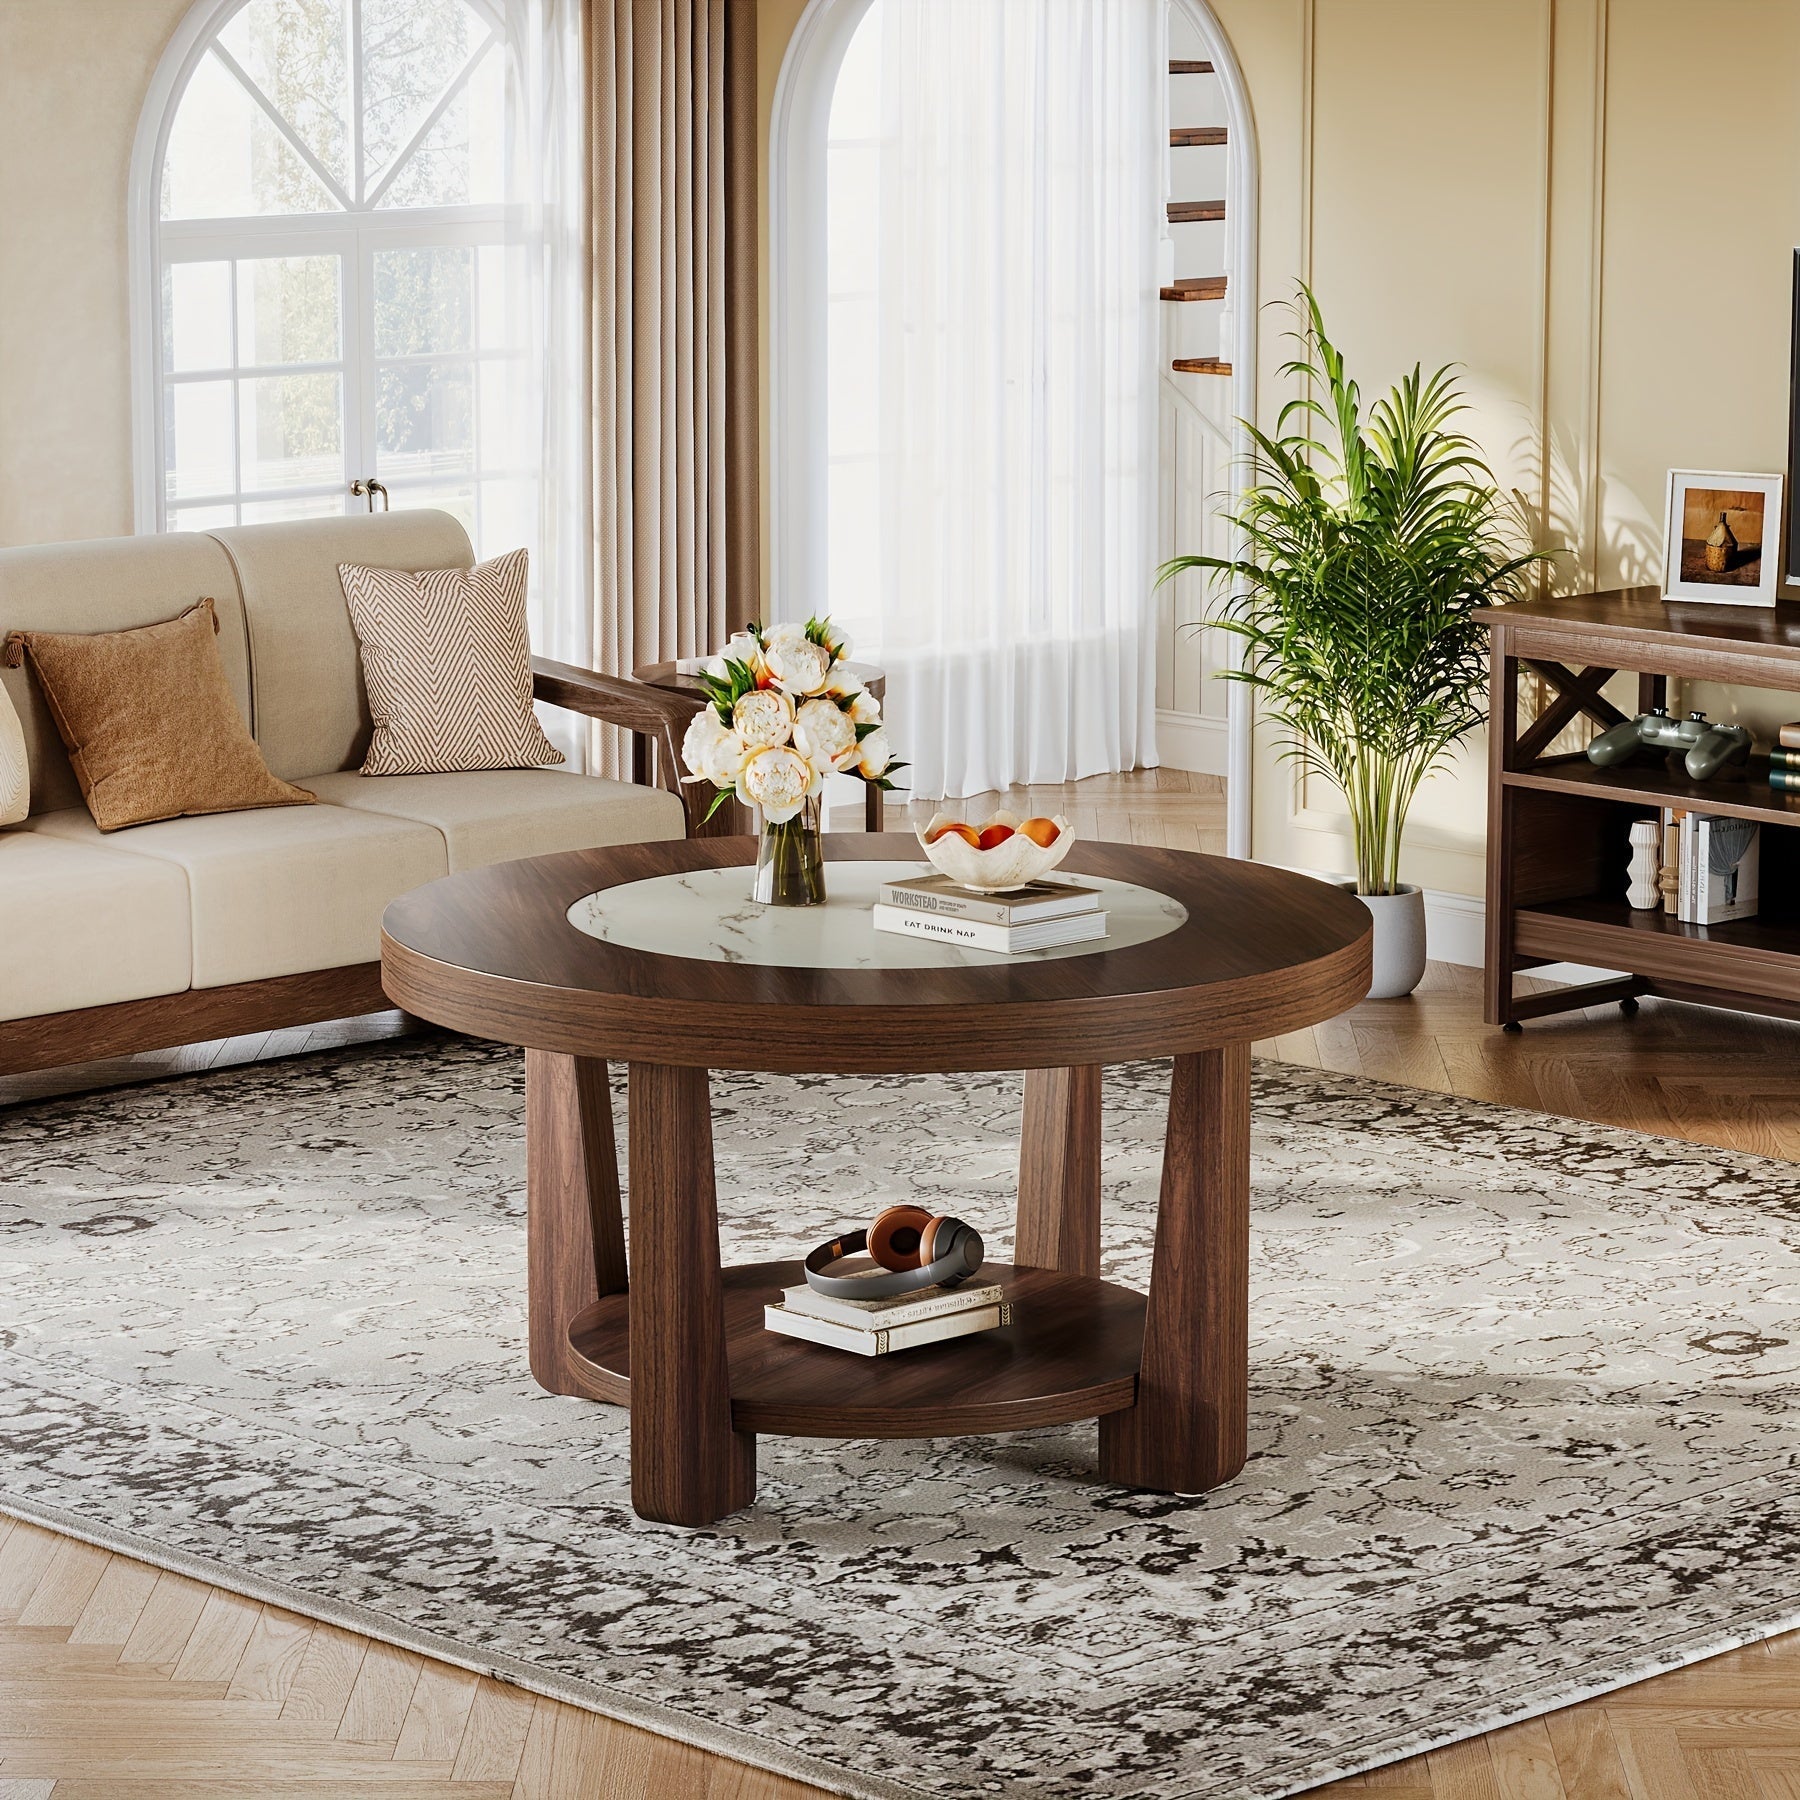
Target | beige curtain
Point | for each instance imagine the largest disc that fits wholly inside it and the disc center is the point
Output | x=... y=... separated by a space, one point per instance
x=672 y=148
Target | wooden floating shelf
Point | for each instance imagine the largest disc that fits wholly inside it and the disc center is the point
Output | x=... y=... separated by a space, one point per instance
x=1195 y=212
x=1732 y=793
x=1071 y=1352
x=1196 y=287
x=1190 y=67
x=1197 y=137
x=1201 y=365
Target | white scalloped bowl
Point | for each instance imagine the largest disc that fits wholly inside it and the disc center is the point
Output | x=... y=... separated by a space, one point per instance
x=1015 y=864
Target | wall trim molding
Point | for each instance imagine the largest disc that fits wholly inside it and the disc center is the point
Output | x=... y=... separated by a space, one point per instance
x=1193 y=742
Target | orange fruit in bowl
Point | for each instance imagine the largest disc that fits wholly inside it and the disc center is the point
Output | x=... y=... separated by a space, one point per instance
x=967 y=833
x=1042 y=832
x=992 y=835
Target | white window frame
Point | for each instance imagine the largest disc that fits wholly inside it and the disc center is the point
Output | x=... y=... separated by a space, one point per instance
x=799 y=315
x=354 y=235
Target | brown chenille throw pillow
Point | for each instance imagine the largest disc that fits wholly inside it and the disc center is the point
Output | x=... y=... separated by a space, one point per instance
x=149 y=720
x=447 y=663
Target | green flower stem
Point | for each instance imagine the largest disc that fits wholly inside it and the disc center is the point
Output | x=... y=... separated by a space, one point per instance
x=790 y=860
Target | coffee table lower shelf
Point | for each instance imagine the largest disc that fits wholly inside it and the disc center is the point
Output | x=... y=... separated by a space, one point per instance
x=1072 y=1352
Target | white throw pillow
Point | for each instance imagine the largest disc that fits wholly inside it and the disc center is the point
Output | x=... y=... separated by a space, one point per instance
x=448 y=668
x=15 y=772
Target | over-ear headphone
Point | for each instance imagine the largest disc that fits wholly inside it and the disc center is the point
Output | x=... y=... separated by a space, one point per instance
x=919 y=1249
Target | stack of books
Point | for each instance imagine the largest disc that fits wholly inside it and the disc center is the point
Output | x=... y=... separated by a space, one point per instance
x=1784 y=759
x=902 y=1322
x=1711 y=867
x=1038 y=917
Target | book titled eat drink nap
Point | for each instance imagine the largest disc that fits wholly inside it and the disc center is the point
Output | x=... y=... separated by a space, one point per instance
x=977 y=934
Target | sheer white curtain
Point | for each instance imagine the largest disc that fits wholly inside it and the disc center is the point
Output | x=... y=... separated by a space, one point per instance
x=543 y=394
x=1016 y=362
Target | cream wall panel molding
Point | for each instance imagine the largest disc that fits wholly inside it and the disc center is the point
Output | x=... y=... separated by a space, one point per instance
x=69 y=101
x=1575 y=225
x=1430 y=189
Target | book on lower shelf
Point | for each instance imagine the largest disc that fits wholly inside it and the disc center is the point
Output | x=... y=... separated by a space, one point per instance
x=883 y=1340
x=980 y=934
x=941 y=897
x=894 y=1309
x=1719 y=867
x=1788 y=737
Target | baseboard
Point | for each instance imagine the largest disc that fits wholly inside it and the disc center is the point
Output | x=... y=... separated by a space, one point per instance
x=1455 y=928
x=1187 y=741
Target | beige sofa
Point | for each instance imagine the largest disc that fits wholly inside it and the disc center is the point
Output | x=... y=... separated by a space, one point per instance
x=202 y=927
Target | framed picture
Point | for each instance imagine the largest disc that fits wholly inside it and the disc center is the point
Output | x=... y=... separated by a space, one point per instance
x=1719 y=527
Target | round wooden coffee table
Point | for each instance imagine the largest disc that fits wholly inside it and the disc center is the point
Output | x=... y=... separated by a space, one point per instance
x=1216 y=953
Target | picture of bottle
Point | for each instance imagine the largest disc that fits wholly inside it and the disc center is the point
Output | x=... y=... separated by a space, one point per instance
x=1721 y=548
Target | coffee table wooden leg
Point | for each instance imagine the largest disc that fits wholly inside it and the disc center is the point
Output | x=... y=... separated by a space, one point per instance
x=575 y=1234
x=688 y=1467
x=1059 y=1172
x=1187 y=1431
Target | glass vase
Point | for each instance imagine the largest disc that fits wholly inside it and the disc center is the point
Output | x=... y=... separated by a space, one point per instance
x=790 y=859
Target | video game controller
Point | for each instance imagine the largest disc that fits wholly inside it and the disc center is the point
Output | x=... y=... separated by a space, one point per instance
x=1709 y=747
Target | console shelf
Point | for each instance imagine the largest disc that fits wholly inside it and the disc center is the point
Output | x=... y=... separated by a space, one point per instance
x=1739 y=793
x=1558 y=827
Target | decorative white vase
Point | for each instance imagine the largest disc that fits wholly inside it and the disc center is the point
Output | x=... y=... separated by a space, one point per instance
x=1399 y=941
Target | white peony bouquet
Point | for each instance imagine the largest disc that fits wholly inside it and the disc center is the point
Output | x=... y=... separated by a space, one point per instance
x=786 y=712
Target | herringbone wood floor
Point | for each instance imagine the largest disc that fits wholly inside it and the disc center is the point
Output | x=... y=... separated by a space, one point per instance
x=120 y=1683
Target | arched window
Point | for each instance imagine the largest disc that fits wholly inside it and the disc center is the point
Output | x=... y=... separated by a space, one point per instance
x=1013 y=310
x=322 y=286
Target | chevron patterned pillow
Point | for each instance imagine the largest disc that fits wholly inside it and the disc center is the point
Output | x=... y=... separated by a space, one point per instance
x=448 y=668
x=15 y=771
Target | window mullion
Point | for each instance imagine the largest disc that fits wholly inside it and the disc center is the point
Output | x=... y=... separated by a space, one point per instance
x=431 y=118
x=355 y=23
x=295 y=142
x=362 y=261
x=237 y=401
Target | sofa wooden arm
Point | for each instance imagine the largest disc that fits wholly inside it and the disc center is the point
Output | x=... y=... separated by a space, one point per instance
x=656 y=718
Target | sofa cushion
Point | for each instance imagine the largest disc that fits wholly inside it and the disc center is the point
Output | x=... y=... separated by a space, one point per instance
x=149 y=720
x=499 y=814
x=311 y=712
x=447 y=665
x=82 y=925
x=278 y=892
x=110 y=584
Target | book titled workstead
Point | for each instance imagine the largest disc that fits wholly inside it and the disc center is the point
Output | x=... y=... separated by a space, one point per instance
x=946 y=899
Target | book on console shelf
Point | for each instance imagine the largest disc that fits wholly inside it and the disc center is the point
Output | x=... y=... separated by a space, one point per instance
x=883 y=1340
x=1788 y=737
x=940 y=896
x=979 y=934
x=895 y=1309
x=1720 y=868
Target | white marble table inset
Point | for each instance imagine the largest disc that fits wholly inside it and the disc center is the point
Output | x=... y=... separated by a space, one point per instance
x=708 y=914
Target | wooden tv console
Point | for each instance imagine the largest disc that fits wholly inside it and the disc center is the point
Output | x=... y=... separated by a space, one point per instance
x=1558 y=827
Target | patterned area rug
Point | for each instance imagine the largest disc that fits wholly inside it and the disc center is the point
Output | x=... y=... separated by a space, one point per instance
x=1522 y=1425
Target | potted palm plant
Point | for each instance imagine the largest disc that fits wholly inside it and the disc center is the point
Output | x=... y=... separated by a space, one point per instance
x=1367 y=543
